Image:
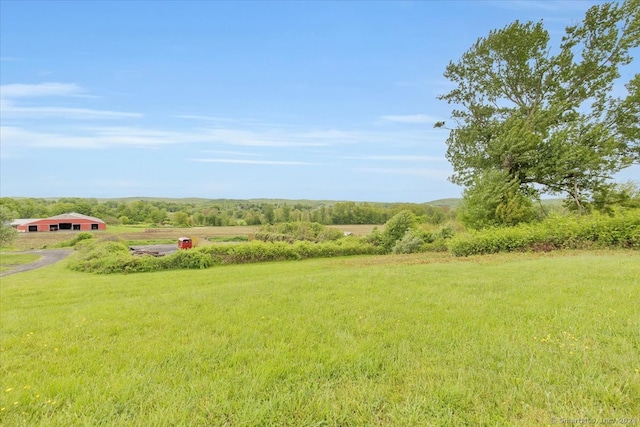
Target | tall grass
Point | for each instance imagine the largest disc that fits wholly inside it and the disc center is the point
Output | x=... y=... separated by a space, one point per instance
x=511 y=339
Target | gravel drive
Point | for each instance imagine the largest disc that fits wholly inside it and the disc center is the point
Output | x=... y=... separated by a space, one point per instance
x=49 y=256
x=161 y=249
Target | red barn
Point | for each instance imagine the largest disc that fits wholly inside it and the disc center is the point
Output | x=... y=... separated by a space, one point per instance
x=69 y=221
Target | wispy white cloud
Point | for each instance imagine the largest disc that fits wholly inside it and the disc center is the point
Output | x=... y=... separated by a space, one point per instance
x=221 y=140
x=205 y=118
x=11 y=109
x=273 y=137
x=230 y=153
x=401 y=158
x=19 y=90
x=18 y=138
x=253 y=162
x=412 y=118
x=123 y=136
x=21 y=104
x=434 y=173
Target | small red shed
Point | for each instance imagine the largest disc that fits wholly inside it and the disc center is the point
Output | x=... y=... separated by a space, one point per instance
x=70 y=221
x=185 y=243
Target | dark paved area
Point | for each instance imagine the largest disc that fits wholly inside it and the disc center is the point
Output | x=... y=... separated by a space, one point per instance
x=48 y=257
x=51 y=256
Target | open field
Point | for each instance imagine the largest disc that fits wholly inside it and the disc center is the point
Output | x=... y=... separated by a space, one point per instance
x=424 y=339
x=28 y=241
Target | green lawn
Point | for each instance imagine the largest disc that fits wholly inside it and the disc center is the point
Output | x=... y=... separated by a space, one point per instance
x=8 y=260
x=514 y=339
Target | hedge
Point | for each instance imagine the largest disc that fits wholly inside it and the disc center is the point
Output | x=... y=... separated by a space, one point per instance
x=557 y=232
x=115 y=257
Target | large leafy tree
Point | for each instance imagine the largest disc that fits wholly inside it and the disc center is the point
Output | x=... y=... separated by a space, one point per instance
x=548 y=118
x=7 y=233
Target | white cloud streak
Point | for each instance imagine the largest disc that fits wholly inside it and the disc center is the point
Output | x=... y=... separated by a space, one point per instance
x=22 y=104
x=401 y=158
x=9 y=110
x=91 y=138
x=10 y=93
x=20 y=90
x=253 y=162
x=205 y=118
x=230 y=153
x=106 y=137
x=264 y=138
x=434 y=173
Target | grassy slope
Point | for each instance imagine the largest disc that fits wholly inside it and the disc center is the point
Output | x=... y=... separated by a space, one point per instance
x=399 y=340
x=8 y=260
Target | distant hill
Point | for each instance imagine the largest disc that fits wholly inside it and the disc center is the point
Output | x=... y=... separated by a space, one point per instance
x=449 y=202
x=452 y=202
x=455 y=202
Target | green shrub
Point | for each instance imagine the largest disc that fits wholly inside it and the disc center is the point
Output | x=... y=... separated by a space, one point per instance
x=408 y=245
x=557 y=232
x=375 y=237
x=495 y=199
x=257 y=251
x=103 y=257
x=115 y=257
x=396 y=228
x=266 y=236
x=412 y=242
x=75 y=240
x=294 y=231
x=439 y=245
x=185 y=259
x=447 y=232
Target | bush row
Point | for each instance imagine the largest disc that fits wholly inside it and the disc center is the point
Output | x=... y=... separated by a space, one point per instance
x=257 y=251
x=294 y=231
x=73 y=241
x=114 y=257
x=558 y=232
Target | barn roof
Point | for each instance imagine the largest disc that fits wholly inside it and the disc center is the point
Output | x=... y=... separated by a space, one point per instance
x=23 y=221
x=67 y=216
x=75 y=215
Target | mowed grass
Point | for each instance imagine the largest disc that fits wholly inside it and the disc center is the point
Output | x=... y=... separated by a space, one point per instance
x=515 y=339
x=8 y=260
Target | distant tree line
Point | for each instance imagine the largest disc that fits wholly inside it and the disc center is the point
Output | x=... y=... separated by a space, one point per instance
x=202 y=212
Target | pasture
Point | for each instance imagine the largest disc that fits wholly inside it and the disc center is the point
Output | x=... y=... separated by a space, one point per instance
x=146 y=235
x=424 y=339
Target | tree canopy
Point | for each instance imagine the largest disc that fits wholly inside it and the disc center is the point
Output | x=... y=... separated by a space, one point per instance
x=7 y=233
x=552 y=120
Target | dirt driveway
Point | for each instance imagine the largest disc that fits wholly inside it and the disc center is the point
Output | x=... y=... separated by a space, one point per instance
x=49 y=256
x=159 y=249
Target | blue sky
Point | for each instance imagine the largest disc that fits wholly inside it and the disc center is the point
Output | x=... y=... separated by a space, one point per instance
x=249 y=99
